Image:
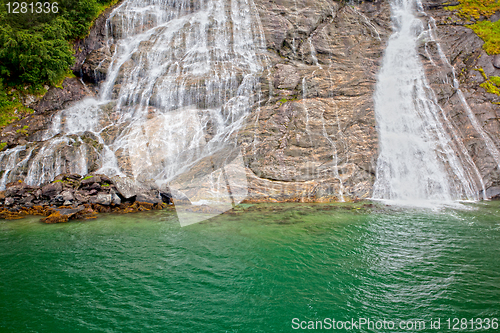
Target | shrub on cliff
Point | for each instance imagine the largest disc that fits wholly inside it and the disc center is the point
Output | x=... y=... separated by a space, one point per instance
x=35 y=57
x=36 y=48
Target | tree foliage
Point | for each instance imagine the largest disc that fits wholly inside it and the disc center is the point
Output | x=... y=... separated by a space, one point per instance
x=36 y=48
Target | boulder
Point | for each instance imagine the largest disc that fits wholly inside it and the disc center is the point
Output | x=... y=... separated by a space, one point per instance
x=67 y=196
x=104 y=199
x=90 y=180
x=26 y=199
x=68 y=176
x=16 y=189
x=128 y=187
x=81 y=197
x=62 y=215
x=115 y=198
x=148 y=198
x=51 y=190
x=496 y=61
x=94 y=186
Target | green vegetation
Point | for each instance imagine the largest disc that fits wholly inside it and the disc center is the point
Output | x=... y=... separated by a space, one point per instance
x=23 y=130
x=476 y=8
x=2 y=145
x=483 y=73
x=495 y=80
x=490 y=33
x=36 y=48
x=88 y=177
x=10 y=106
x=492 y=83
x=490 y=87
x=487 y=30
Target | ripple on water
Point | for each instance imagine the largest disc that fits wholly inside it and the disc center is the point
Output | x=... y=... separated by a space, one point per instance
x=245 y=272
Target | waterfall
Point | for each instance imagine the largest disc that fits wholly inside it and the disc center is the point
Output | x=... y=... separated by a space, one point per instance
x=417 y=162
x=182 y=78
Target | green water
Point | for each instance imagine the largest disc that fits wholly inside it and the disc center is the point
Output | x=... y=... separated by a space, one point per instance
x=251 y=271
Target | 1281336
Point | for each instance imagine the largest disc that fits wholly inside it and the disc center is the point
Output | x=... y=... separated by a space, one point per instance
x=32 y=7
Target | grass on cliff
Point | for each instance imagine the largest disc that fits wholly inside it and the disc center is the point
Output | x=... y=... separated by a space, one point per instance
x=11 y=107
x=492 y=83
x=476 y=8
x=487 y=30
x=490 y=34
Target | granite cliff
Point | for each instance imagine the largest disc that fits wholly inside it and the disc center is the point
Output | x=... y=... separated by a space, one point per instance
x=311 y=133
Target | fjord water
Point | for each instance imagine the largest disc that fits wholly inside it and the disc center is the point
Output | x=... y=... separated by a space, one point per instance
x=252 y=270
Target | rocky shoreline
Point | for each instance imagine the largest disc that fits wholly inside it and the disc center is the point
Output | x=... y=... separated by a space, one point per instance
x=71 y=196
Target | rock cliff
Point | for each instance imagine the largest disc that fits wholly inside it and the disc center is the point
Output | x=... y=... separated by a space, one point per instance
x=311 y=134
x=477 y=118
x=314 y=134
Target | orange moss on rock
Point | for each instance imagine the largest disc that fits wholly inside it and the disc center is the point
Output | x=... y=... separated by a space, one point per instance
x=138 y=206
x=55 y=217
x=84 y=212
x=35 y=210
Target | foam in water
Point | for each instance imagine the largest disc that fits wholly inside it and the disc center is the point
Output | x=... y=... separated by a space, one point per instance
x=417 y=162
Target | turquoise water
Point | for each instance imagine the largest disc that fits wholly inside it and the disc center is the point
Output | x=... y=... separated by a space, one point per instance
x=253 y=270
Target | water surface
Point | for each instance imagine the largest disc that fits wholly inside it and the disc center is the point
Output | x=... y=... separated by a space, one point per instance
x=251 y=270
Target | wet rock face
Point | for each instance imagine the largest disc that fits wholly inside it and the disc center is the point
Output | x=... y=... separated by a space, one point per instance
x=463 y=50
x=86 y=49
x=32 y=127
x=59 y=98
x=96 y=65
x=314 y=134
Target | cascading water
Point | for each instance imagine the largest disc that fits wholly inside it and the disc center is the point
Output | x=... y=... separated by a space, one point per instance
x=417 y=160
x=182 y=78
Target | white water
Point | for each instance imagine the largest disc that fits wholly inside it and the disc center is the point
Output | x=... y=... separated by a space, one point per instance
x=417 y=164
x=467 y=159
x=182 y=79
